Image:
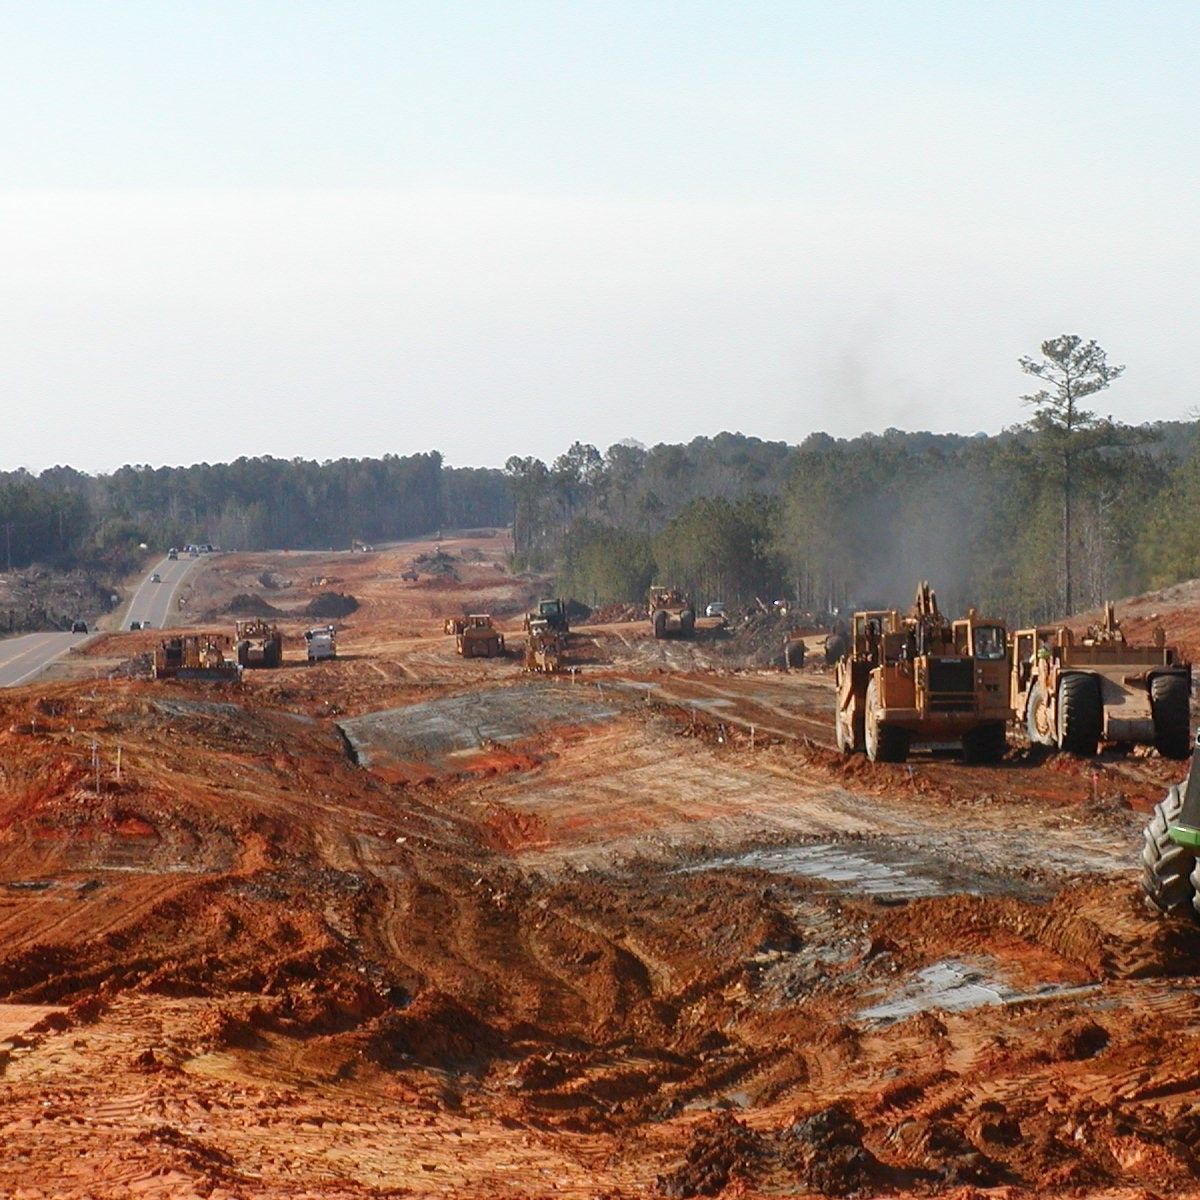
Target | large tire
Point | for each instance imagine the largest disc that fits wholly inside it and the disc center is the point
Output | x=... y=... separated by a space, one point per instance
x=985 y=743
x=687 y=624
x=1168 y=870
x=243 y=653
x=1169 y=699
x=1080 y=715
x=660 y=623
x=1037 y=718
x=885 y=743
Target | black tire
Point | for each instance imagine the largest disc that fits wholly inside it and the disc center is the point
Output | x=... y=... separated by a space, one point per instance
x=1038 y=735
x=1169 y=700
x=660 y=623
x=885 y=743
x=687 y=624
x=243 y=653
x=985 y=743
x=1080 y=715
x=1168 y=870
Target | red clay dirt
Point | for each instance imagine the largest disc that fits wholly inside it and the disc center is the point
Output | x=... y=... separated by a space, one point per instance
x=672 y=946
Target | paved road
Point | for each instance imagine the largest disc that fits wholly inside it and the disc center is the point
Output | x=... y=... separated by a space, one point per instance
x=24 y=658
x=21 y=658
x=155 y=602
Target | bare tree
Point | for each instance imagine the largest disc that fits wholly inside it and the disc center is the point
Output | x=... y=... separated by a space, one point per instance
x=1072 y=369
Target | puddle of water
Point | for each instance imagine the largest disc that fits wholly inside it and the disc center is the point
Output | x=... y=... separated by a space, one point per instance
x=880 y=869
x=859 y=870
x=953 y=985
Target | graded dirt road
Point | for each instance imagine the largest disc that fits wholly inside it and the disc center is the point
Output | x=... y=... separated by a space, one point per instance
x=408 y=925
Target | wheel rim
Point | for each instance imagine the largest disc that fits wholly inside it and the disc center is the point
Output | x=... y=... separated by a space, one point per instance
x=872 y=726
x=1040 y=714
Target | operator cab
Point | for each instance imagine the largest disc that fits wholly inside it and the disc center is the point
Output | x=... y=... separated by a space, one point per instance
x=988 y=642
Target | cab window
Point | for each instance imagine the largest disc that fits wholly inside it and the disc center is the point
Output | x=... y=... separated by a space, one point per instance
x=989 y=641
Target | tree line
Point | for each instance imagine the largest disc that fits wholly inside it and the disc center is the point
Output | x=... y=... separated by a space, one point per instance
x=1058 y=513
x=66 y=518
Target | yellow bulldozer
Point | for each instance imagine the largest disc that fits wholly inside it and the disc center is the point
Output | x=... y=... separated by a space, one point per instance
x=671 y=611
x=543 y=648
x=478 y=637
x=258 y=644
x=922 y=679
x=195 y=656
x=1073 y=694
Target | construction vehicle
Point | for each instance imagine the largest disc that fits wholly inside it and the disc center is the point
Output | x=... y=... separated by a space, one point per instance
x=195 y=656
x=794 y=649
x=411 y=575
x=1074 y=694
x=552 y=612
x=671 y=612
x=1170 y=867
x=922 y=679
x=544 y=647
x=258 y=644
x=322 y=643
x=478 y=638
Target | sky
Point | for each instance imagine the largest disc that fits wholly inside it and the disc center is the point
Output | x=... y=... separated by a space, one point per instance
x=363 y=228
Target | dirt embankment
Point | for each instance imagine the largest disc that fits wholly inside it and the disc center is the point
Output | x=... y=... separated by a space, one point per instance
x=639 y=933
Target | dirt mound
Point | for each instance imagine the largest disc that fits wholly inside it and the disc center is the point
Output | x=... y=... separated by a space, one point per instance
x=822 y=1152
x=611 y=614
x=756 y=638
x=244 y=604
x=438 y=563
x=331 y=604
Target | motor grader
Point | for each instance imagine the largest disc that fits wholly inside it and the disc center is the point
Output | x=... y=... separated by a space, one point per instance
x=258 y=644
x=198 y=656
x=1073 y=694
x=544 y=646
x=922 y=679
x=478 y=637
x=671 y=611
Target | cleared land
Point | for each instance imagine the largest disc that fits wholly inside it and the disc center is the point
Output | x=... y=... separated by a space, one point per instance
x=408 y=924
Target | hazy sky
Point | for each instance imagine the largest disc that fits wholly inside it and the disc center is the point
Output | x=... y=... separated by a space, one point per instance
x=336 y=228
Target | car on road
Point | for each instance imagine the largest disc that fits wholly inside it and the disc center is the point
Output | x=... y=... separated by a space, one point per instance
x=134 y=625
x=716 y=609
x=173 y=553
x=79 y=627
x=156 y=578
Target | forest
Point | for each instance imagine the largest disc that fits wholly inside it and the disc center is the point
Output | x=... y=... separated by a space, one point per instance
x=66 y=518
x=836 y=524
x=1053 y=515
